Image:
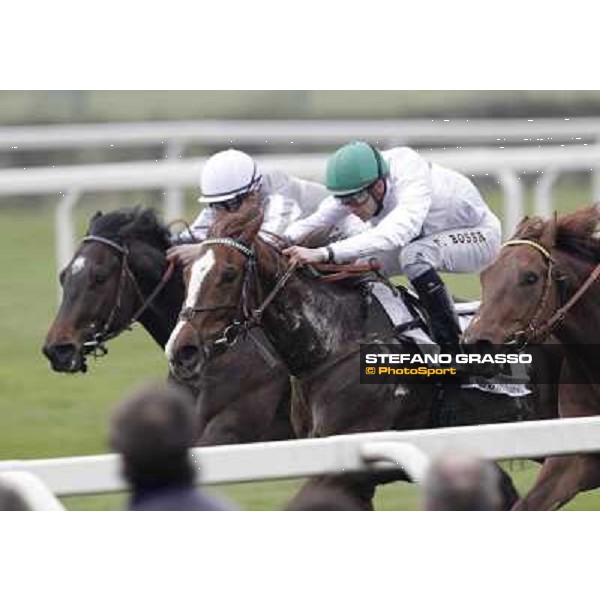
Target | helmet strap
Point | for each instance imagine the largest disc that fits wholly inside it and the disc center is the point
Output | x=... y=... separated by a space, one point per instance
x=379 y=202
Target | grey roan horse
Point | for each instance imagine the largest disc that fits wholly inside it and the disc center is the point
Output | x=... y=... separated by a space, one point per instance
x=316 y=328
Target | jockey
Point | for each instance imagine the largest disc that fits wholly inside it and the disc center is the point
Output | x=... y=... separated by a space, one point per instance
x=230 y=178
x=417 y=218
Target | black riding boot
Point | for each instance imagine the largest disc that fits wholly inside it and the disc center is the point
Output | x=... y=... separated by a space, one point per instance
x=439 y=307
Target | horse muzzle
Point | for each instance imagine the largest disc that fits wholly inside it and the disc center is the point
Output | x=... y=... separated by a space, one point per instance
x=65 y=357
x=187 y=362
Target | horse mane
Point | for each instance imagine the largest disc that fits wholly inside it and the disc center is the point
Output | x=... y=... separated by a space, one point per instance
x=234 y=224
x=128 y=224
x=577 y=233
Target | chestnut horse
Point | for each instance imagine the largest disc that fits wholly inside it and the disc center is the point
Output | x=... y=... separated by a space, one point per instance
x=240 y=280
x=546 y=281
x=119 y=274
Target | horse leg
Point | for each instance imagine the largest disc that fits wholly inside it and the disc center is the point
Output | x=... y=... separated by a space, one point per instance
x=359 y=487
x=562 y=478
x=510 y=495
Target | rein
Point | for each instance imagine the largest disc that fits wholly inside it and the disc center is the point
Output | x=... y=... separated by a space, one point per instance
x=253 y=318
x=96 y=346
x=543 y=330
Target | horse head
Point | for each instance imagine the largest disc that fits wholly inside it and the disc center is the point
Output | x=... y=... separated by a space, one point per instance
x=100 y=291
x=531 y=278
x=220 y=291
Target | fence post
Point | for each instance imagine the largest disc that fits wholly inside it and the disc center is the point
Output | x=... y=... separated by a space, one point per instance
x=64 y=230
x=173 y=202
x=513 y=201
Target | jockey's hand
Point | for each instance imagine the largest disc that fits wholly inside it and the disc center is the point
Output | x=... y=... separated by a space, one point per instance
x=299 y=255
x=185 y=254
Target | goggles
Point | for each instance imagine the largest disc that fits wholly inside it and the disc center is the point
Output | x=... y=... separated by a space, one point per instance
x=234 y=203
x=356 y=199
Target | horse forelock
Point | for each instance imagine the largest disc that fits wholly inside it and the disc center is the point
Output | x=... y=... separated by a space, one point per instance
x=244 y=222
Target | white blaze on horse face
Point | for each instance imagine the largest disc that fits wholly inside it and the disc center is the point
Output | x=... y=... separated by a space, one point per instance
x=77 y=265
x=172 y=338
x=200 y=270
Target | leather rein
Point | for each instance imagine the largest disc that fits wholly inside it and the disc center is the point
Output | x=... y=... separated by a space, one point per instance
x=253 y=317
x=540 y=331
x=97 y=345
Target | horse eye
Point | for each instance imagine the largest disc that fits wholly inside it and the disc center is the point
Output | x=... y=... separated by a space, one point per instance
x=100 y=277
x=228 y=275
x=530 y=278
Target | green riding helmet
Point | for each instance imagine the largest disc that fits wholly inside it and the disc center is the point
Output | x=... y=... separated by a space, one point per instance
x=353 y=168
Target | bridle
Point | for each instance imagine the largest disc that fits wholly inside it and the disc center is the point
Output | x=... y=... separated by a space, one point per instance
x=250 y=318
x=97 y=345
x=540 y=331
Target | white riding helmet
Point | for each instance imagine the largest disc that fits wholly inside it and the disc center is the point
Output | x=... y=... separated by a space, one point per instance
x=228 y=174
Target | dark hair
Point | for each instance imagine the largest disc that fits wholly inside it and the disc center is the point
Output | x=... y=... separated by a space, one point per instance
x=153 y=430
x=10 y=499
x=458 y=481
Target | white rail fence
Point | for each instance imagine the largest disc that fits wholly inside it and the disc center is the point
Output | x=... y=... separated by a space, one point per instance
x=175 y=135
x=507 y=165
x=411 y=450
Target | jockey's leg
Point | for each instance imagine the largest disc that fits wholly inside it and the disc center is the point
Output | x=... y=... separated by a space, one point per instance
x=464 y=250
x=439 y=307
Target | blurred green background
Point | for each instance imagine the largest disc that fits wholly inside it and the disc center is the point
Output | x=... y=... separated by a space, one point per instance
x=44 y=414
x=83 y=106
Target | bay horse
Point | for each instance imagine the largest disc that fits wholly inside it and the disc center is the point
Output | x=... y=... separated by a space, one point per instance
x=117 y=276
x=545 y=282
x=240 y=279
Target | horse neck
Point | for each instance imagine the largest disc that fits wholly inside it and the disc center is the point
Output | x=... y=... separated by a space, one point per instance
x=161 y=316
x=582 y=321
x=309 y=322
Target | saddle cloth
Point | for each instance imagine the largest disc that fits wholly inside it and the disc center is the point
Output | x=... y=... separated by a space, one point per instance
x=411 y=321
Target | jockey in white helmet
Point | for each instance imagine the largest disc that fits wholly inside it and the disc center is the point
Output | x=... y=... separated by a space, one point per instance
x=415 y=216
x=231 y=177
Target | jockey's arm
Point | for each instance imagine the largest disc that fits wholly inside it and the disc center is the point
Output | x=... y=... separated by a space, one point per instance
x=411 y=195
x=402 y=225
x=330 y=212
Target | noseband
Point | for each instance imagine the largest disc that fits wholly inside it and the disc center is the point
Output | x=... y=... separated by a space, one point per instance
x=97 y=345
x=541 y=331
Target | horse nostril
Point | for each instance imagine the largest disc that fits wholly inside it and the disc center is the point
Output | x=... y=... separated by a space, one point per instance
x=60 y=354
x=187 y=356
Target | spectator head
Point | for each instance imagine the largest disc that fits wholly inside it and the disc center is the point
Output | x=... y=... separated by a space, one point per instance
x=10 y=499
x=459 y=481
x=324 y=498
x=153 y=430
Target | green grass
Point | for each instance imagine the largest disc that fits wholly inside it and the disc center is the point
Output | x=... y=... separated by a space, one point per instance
x=44 y=414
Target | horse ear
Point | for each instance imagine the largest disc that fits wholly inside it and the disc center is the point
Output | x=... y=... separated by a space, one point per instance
x=93 y=220
x=548 y=238
x=521 y=226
